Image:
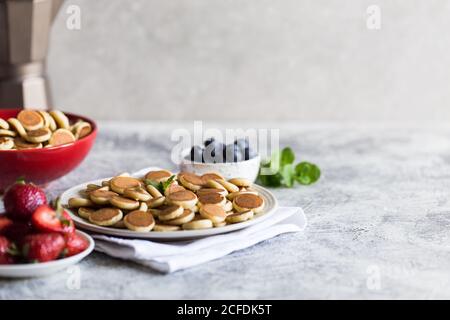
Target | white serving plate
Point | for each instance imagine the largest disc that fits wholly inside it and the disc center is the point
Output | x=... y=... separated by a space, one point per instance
x=32 y=270
x=270 y=207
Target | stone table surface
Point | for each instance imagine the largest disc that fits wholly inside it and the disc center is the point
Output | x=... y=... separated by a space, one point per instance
x=379 y=221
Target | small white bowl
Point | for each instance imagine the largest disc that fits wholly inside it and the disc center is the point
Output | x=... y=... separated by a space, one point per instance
x=33 y=270
x=247 y=169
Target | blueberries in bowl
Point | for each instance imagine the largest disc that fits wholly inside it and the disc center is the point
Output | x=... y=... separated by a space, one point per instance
x=214 y=151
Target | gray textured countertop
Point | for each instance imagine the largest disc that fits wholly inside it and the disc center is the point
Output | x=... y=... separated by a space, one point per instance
x=379 y=222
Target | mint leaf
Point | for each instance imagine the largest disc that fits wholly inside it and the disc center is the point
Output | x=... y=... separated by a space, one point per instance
x=167 y=183
x=307 y=173
x=287 y=156
x=288 y=175
x=273 y=180
x=157 y=185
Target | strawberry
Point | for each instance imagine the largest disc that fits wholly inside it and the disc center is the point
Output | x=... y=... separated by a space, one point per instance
x=75 y=244
x=45 y=219
x=22 y=199
x=4 y=223
x=43 y=247
x=5 y=256
x=17 y=231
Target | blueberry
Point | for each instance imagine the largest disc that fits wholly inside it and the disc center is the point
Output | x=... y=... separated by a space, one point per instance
x=242 y=143
x=209 y=141
x=196 y=154
x=233 y=153
x=214 y=152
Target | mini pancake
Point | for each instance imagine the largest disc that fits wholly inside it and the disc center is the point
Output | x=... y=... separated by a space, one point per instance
x=191 y=181
x=22 y=144
x=49 y=122
x=60 y=137
x=228 y=185
x=186 y=217
x=140 y=221
x=6 y=143
x=219 y=224
x=119 y=184
x=60 y=118
x=137 y=193
x=101 y=197
x=211 y=198
x=198 y=224
x=30 y=119
x=105 y=183
x=143 y=206
x=81 y=129
x=80 y=202
x=247 y=201
x=153 y=191
x=124 y=203
x=39 y=135
x=106 y=217
x=7 y=133
x=240 y=217
x=158 y=176
x=233 y=195
x=171 y=212
x=174 y=187
x=165 y=228
x=228 y=206
x=85 y=213
x=119 y=225
x=213 y=212
x=4 y=124
x=187 y=199
x=16 y=125
x=215 y=185
x=156 y=202
x=240 y=182
x=211 y=176
x=91 y=187
x=212 y=190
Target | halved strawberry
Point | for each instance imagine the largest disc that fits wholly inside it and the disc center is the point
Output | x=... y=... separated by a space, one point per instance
x=75 y=244
x=45 y=219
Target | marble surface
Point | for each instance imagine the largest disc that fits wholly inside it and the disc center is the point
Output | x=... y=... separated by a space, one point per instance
x=379 y=222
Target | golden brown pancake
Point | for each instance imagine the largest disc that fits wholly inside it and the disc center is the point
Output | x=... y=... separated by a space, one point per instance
x=210 y=198
x=139 y=218
x=193 y=178
x=248 y=201
x=104 y=214
x=184 y=195
x=30 y=119
x=119 y=184
x=210 y=176
x=160 y=175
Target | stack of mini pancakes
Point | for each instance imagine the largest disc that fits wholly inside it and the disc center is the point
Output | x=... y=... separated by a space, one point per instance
x=161 y=201
x=33 y=129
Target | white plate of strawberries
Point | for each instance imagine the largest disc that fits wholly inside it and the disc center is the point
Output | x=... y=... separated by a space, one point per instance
x=36 y=239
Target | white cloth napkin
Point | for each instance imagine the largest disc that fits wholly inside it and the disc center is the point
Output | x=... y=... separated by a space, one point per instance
x=170 y=257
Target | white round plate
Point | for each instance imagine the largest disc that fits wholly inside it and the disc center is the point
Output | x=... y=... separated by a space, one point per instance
x=32 y=270
x=269 y=209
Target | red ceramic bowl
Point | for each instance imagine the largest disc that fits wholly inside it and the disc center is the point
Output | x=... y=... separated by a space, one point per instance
x=42 y=166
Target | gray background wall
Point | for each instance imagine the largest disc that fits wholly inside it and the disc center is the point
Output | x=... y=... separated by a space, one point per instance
x=255 y=59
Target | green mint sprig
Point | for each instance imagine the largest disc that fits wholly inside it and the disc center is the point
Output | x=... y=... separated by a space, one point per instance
x=285 y=173
x=161 y=186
